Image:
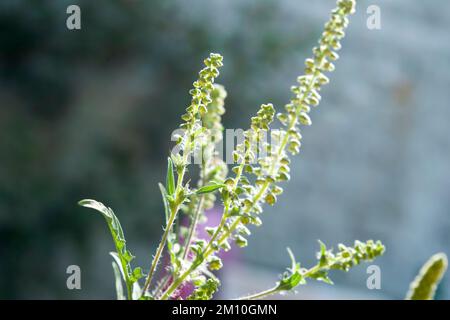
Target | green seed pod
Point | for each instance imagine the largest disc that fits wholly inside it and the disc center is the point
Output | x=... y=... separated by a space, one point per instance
x=198 y=281
x=210 y=230
x=322 y=79
x=270 y=199
x=294 y=147
x=256 y=221
x=309 y=63
x=245 y=220
x=305 y=119
x=283 y=118
x=243 y=230
x=276 y=190
x=283 y=176
x=214 y=263
x=241 y=241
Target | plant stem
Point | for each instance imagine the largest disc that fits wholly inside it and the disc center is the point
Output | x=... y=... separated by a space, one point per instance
x=192 y=227
x=199 y=207
x=261 y=294
x=161 y=285
x=219 y=227
x=208 y=250
x=160 y=249
x=124 y=268
x=275 y=289
x=177 y=282
x=282 y=146
x=227 y=203
x=173 y=215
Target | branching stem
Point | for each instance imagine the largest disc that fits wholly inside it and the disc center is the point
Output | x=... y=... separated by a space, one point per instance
x=209 y=250
x=173 y=214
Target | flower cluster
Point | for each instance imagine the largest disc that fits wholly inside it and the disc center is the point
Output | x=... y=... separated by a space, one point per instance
x=212 y=167
x=238 y=190
x=344 y=259
x=243 y=200
x=197 y=111
x=275 y=166
x=201 y=93
x=176 y=193
x=348 y=257
x=261 y=165
x=205 y=289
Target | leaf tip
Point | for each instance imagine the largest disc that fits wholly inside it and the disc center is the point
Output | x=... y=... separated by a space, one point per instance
x=98 y=206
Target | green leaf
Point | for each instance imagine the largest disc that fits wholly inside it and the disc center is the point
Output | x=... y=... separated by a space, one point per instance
x=170 y=179
x=323 y=261
x=294 y=265
x=293 y=277
x=137 y=291
x=137 y=274
x=117 y=277
x=119 y=264
x=206 y=290
x=424 y=285
x=321 y=275
x=209 y=188
x=165 y=201
x=173 y=257
x=122 y=256
x=290 y=282
x=100 y=207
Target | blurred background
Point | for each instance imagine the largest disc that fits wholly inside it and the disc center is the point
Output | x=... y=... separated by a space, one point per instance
x=89 y=113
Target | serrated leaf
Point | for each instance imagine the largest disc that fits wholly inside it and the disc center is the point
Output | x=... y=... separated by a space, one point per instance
x=137 y=274
x=294 y=276
x=209 y=188
x=170 y=178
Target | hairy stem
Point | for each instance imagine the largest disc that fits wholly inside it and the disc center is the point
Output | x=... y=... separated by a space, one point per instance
x=227 y=203
x=264 y=187
x=219 y=228
x=208 y=250
x=276 y=289
x=161 y=285
x=173 y=214
x=261 y=294
x=192 y=227
x=160 y=249
x=177 y=282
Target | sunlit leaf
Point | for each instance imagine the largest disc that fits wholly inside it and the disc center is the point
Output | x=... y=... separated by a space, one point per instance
x=118 y=278
x=170 y=178
x=209 y=188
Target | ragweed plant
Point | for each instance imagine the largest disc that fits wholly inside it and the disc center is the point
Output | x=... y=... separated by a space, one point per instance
x=260 y=168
